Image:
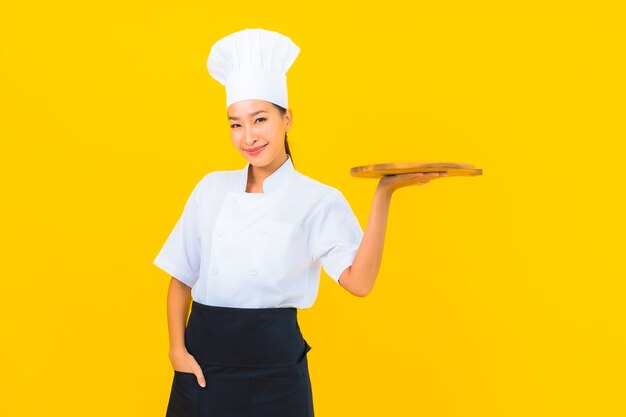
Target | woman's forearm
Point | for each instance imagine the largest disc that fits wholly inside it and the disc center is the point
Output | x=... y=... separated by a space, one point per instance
x=360 y=277
x=178 y=302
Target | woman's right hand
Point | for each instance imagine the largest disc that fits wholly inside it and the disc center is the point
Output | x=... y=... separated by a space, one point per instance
x=183 y=361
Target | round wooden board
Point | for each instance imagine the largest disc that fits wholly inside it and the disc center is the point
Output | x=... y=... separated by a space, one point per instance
x=392 y=168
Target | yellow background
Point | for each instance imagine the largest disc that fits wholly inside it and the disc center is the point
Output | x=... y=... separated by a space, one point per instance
x=500 y=295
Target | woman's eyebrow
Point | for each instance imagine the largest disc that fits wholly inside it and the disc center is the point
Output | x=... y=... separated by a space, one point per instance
x=251 y=114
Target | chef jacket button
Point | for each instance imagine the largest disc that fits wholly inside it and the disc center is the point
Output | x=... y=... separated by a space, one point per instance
x=253 y=272
x=214 y=270
x=262 y=232
x=220 y=232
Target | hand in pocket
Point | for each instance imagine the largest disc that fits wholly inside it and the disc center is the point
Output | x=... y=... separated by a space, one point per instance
x=184 y=362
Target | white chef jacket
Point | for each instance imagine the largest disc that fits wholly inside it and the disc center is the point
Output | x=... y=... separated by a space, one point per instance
x=255 y=250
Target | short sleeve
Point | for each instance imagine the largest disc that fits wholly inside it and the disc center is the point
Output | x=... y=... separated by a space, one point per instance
x=180 y=254
x=335 y=235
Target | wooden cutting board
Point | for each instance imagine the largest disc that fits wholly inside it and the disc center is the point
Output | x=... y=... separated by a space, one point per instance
x=392 y=168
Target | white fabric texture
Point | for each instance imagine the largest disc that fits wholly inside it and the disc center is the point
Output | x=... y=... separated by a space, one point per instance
x=255 y=250
x=252 y=64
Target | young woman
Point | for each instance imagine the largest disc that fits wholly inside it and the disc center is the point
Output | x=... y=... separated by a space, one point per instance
x=247 y=251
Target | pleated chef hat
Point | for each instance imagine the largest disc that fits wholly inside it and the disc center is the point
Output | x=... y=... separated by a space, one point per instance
x=252 y=64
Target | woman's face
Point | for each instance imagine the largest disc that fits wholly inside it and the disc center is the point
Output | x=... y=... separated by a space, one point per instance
x=258 y=123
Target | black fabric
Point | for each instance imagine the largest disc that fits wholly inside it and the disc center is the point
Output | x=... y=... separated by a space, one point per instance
x=254 y=362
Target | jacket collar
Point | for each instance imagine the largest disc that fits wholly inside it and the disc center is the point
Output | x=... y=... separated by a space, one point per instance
x=276 y=179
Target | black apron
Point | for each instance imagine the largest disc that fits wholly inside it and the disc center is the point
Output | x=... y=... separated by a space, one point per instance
x=254 y=362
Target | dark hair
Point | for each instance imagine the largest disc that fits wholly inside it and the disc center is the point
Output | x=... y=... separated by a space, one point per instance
x=282 y=111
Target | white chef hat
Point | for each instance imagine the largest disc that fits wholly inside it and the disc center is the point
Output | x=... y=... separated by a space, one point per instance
x=252 y=64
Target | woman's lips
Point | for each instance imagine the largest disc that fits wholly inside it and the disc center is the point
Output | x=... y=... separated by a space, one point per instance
x=255 y=151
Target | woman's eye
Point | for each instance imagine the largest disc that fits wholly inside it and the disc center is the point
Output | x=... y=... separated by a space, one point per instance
x=260 y=118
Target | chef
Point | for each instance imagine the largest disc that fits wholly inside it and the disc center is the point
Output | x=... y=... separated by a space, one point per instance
x=248 y=248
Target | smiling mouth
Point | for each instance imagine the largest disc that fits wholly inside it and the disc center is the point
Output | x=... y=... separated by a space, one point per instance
x=255 y=149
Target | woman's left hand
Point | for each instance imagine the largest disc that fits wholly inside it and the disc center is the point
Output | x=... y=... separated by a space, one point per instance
x=393 y=182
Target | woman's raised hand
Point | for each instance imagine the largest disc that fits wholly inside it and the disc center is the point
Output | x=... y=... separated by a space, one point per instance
x=393 y=182
x=183 y=361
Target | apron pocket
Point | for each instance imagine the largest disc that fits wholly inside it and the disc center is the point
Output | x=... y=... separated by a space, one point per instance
x=225 y=396
x=279 y=396
x=184 y=396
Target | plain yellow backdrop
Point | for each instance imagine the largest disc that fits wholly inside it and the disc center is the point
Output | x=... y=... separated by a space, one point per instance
x=500 y=295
